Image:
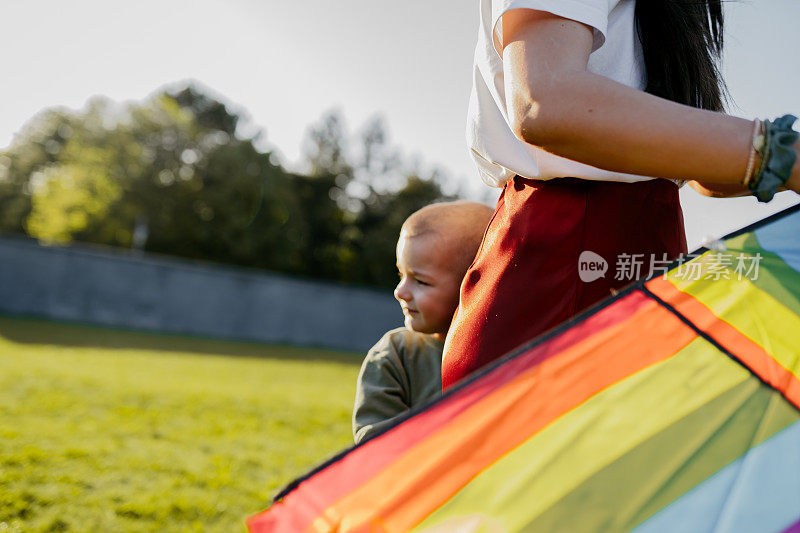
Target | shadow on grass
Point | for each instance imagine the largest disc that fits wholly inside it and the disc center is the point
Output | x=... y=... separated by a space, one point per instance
x=40 y=331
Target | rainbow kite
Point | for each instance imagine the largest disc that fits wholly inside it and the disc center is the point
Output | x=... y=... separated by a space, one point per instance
x=673 y=406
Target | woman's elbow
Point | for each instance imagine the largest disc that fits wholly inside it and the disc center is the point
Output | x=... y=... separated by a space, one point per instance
x=519 y=127
x=539 y=111
x=527 y=123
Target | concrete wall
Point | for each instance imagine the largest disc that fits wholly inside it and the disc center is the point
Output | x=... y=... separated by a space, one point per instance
x=161 y=294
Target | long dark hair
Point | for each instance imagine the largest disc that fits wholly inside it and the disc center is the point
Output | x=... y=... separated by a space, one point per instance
x=682 y=44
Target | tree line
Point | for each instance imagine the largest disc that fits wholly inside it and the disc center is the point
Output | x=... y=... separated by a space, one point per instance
x=173 y=175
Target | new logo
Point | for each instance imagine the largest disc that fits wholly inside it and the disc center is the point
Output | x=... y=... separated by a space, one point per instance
x=591 y=266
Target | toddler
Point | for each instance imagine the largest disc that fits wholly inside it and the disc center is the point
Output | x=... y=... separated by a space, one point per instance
x=403 y=370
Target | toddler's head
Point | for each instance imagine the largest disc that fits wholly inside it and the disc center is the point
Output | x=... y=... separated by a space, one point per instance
x=436 y=246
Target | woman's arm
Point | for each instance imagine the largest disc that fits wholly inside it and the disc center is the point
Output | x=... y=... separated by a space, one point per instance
x=554 y=103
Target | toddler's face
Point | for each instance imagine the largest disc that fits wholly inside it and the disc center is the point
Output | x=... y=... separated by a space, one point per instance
x=428 y=288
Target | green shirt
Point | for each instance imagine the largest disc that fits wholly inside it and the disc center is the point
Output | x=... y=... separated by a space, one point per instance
x=402 y=371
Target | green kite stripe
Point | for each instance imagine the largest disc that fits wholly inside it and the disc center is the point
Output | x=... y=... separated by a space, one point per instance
x=672 y=462
x=775 y=277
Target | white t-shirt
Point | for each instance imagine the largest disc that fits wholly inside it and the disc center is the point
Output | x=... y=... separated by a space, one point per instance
x=616 y=54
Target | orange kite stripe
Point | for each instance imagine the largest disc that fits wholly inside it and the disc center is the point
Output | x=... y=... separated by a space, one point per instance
x=430 y=472
x=742 y=347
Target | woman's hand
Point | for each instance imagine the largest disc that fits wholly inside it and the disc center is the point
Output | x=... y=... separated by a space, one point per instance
x=716 y=190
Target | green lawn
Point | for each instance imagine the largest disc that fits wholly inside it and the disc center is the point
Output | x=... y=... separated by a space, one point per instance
x=104 y=430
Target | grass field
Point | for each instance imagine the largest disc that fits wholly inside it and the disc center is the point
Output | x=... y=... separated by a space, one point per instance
x=104 y=430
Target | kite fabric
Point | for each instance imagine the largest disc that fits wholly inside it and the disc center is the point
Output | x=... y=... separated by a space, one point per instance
x=672 y=406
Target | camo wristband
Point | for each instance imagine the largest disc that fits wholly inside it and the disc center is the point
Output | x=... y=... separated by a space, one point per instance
x=778 y=158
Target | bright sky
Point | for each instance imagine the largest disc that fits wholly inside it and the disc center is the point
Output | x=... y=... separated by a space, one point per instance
x=285 y=63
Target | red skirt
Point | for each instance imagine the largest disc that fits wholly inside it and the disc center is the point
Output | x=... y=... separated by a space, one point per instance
x=526 y=277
